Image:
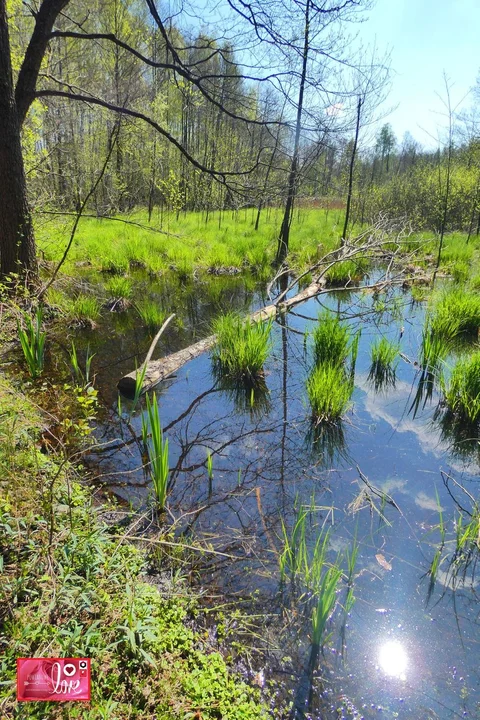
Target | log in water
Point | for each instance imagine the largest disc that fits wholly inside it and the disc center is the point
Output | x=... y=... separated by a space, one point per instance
x=158 y=370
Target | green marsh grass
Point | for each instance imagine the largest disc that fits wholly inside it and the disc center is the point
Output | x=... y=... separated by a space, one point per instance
x=188 y=242
x=331 y=340
x=119 y=287
x=242 y=346
x=77 y=370
x=462 y=391
x=151 y=315
x=329 y=391
x=32 y=340
x=455 y=314
x=384 y=361
x=347 y=271
x=326 y=598
x=157 y=449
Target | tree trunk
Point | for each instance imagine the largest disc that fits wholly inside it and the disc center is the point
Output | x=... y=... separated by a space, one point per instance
x=17 y=244
x=350 y=172
x=284 y=237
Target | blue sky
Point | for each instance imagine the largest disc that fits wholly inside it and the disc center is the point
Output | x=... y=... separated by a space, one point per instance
x=426 y=37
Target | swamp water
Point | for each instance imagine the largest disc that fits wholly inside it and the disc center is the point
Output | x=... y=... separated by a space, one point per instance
x=407 y=649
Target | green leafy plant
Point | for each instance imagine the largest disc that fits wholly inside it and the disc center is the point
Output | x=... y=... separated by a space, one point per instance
x=157 y=449
x=32 y=341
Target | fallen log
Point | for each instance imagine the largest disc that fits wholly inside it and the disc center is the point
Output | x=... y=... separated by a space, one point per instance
x=158 y=370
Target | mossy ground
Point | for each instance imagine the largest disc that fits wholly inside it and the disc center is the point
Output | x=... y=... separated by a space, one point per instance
x=72 y=586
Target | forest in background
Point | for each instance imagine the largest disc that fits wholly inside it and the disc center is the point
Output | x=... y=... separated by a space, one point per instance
x=127 y=106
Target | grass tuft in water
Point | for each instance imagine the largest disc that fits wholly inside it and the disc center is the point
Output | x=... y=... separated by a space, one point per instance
x=242 y=346
x=345 y=272
x=151 y=314
x=32 y=341
x=119 y=287
x=462 y=392
x=456 y=314
x=331 y=340
x=157 y=449
x=384 y=361
x=329 y=391
x=83 y=310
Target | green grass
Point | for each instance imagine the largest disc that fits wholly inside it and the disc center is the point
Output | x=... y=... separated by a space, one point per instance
x=151 y=315
x=79 y=310
x=329 y=391
x=462 y=392
x=119 y=288
x=331 y=340
x=242 y=346
x=228 y=239
x=384 y=361
x=455 y=313
x=347 y=271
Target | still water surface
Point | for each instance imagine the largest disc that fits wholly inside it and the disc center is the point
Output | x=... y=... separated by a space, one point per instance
x=399 y=653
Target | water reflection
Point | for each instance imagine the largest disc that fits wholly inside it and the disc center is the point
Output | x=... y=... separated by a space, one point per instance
x=393 y=659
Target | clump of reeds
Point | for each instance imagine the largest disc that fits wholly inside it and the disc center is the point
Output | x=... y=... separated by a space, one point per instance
x=242 y=346
x=157 y=449
x=32 y=340
x=384 y=361
x=329 y=391
x=151 y=314
x=462 y=392
x=456 y=314
x=80 y=375
x=83 y=310
x=120 y=291
x=344 y=272
x=331 y=340
x=330 y=384
x=313 y=580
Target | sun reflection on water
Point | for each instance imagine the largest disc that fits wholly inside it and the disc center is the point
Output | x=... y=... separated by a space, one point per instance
x=393 y=659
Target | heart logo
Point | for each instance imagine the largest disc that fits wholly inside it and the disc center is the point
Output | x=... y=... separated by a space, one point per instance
x=69 y=669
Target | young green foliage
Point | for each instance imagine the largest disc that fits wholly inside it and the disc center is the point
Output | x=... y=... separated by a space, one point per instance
x=32 y=341
x=157 y=449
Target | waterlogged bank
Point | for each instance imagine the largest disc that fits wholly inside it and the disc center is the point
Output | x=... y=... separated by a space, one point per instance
x=72 y=586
